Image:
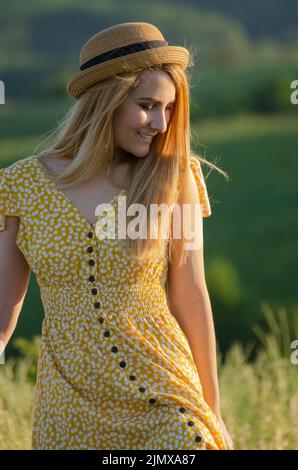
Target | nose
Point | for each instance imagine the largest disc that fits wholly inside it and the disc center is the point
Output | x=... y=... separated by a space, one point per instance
x=159 y=122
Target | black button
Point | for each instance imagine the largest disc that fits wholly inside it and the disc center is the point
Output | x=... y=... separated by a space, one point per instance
x=97 y=304
x=132 y=377
x=122 y=364
x=91 y=278
x=198 y=438
x=114 y=349
x=190 y=423
x=182 y=410
x=107 y=334
x=101 y=319
x=90 y=249
x=94 y=291
x=90 y=234
x=142 y=389
x=151 y=401
x=91 y=262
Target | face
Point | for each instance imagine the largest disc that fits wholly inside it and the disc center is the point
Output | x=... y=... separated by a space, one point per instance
x=149 y=116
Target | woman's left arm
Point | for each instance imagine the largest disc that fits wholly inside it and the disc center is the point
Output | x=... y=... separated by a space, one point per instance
x=189 y=302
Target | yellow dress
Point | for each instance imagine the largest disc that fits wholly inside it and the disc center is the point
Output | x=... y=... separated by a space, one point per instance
x=115 y=370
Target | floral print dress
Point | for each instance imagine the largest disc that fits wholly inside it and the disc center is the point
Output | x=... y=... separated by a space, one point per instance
x=115 y=370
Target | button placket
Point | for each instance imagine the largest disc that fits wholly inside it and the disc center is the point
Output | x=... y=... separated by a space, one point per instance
x=122 y=364
x=199 y=437
x=92 y=262
x=114 y=349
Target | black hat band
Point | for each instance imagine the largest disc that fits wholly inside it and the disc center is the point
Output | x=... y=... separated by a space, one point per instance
x=122 y=51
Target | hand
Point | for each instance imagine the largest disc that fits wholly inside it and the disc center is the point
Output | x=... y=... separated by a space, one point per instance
x=227 y=437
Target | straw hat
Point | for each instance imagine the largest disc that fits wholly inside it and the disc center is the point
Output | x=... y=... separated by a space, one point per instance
x=120 y=47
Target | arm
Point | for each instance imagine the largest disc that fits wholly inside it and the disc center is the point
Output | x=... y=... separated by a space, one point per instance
x=189 y=302
x=14 y=279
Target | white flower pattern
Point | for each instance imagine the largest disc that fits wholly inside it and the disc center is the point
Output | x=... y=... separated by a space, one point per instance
x=115 y=370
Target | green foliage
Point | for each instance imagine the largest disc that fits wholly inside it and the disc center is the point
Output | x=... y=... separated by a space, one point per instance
x=274 y=96
x=259 y=399
x=16 y=405
x=258 y=89
x=224 y=282
x=254 y=221
x=283 y=329
x=29 y=350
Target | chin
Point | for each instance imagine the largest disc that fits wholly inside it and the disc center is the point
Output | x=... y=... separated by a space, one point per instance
x=137 y=152
x=141 y=155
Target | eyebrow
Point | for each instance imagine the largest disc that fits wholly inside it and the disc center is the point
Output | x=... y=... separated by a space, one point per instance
x=148 y=98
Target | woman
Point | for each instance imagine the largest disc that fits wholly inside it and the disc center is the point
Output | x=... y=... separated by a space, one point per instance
x=127 y=357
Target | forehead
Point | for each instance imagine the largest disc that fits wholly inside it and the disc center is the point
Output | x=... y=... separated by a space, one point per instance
x=156 y=84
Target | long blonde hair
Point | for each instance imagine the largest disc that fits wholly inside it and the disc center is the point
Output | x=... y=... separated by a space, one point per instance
x=85 y=137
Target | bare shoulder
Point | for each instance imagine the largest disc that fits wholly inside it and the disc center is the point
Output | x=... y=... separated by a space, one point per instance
x=53 y=163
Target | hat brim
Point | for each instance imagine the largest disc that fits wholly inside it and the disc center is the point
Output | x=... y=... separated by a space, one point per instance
x=88 y=77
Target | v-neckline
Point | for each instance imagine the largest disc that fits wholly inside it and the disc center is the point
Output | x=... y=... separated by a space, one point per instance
x=63 y=196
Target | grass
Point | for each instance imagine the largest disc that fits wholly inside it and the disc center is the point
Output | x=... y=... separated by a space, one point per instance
x=260 y=399
x=16 y=405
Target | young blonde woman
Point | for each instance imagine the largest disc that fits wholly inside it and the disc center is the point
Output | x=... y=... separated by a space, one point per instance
x=128 y=356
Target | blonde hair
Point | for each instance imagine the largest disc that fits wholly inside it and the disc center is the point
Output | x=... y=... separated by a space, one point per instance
x=85 y=137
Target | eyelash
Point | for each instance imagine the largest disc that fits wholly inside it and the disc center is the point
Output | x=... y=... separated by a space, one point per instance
x=148 y=107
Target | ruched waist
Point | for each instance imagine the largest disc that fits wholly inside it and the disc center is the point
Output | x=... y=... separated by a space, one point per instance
x=62 y=301
x=86 y=288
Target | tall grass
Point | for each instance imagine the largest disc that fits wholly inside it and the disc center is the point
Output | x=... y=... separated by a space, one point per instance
x=16 y=405
x=259 y=399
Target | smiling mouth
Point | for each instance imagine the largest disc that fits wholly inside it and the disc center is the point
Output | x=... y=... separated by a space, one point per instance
x=145 y=139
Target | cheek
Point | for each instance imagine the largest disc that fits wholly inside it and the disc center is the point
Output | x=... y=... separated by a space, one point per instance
x=127 y=121
x=133 y=117
x=136 y=119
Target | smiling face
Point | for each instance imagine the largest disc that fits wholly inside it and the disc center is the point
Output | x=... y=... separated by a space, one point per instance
x=148 y=116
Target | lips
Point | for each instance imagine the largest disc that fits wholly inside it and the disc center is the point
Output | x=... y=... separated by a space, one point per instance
x=145 y=139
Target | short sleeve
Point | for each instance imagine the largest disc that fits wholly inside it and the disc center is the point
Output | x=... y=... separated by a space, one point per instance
x=7 y=205
x=199 y=177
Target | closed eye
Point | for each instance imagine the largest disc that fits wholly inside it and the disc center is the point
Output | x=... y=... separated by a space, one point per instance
x=150 y=107
x=145 y=107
